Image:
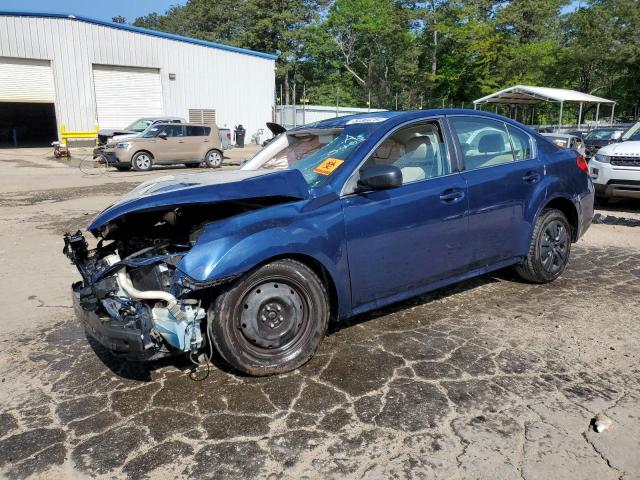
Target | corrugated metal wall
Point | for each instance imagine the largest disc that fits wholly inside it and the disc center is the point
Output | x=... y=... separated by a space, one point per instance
x=239 y=87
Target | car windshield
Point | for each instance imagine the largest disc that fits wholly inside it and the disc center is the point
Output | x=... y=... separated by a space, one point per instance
x=318 y=152
x=633 y=132
x=139 y=125
x=151 y=131
x=601 y=135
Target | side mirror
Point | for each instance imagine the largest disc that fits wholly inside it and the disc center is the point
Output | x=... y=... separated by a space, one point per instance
x=162 y=135
x=379 y=177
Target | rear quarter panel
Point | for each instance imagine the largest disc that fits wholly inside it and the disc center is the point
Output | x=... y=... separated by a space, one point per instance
x=562 y=179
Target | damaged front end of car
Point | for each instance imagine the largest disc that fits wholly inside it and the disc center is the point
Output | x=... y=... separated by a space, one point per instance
x=133 y=298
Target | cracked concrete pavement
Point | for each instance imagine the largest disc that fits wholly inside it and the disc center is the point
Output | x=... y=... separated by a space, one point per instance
x=492 y=378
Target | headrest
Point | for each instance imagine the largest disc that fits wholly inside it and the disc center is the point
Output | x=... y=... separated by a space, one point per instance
x=491 y=142
x=417 y=147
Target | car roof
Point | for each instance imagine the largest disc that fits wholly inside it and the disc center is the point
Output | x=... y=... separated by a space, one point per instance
x=400 y=116
x=183 y=124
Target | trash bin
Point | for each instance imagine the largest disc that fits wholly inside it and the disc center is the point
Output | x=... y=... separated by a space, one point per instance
x=239 y=134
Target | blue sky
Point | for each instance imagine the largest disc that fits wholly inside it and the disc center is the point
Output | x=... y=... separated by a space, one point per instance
x=101 y=9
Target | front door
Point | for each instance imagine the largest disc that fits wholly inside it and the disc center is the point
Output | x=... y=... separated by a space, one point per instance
x=402 y=239
x=502 y=172
x=173 y=148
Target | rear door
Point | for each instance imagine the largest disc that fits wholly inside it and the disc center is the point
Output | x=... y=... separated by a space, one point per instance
x=198 y=141
x=501 y=170
x=401 y=239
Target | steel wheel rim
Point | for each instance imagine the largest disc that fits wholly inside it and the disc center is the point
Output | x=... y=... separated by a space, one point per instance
x=273 y=317
x=215 y=159
x=143 y=161
x=554 y=246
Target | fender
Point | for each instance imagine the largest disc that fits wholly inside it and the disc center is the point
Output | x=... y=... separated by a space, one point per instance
x=312 y=228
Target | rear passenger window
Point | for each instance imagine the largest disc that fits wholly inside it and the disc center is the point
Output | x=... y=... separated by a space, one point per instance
x=484 y=142
x=521 y=143
x=195 y=131
x=207 y=131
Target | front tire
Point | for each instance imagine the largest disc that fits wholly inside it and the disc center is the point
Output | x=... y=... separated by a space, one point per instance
x=142 y=162
x=271 y=320
x=549 y=249
x=213 y=159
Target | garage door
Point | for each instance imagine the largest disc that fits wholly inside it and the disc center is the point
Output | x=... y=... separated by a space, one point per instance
x=124 y=94
x=25 y=80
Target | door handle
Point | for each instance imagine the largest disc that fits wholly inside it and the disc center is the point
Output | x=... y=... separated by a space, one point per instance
x=451 y=195
x=531 y=177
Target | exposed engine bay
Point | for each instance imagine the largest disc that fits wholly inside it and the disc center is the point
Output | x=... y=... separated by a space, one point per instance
x=130 y=281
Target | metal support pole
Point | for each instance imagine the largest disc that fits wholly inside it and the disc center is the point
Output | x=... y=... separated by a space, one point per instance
x=420 y=102
x=295 y=109
x=560 y=117
x=533 y=114
x=337 y=100
x=396 y=100
x=597 y=113
x=580 y=116
x=613 y=109
x=369 y=102
x=475 y=106
x=304 y=104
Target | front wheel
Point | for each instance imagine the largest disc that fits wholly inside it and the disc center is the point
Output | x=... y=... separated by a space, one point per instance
x=272 y=320
x=142 y=162
x=549 y=249
x=213 y=159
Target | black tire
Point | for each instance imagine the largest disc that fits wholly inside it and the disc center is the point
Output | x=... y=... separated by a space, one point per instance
x=193 y=165
x=123 y=168
x=142 y=161
x=549 y=249
x=271 y=320
x=213 y=158
x=602 y=201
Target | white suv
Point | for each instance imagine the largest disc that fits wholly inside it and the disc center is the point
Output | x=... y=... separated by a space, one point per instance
x=615 y=169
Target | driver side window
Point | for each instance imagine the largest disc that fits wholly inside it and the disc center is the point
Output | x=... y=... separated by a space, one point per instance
x=418 y=151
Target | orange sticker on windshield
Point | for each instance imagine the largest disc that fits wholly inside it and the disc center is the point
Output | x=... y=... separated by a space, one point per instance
x=328 y=166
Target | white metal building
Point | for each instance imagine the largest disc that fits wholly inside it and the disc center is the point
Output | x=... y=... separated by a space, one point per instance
x=66 y=70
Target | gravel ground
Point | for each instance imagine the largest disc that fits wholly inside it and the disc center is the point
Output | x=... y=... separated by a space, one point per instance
x=492 y=378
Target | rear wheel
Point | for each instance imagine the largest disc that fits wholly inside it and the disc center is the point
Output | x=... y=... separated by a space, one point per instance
x=213 y=159
x=272 y=320
x=142 y=162
x=549 y=249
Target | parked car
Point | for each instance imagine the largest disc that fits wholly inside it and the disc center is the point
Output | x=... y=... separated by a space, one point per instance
x=599 y=137
x=328 y=221
x=225 y=138
x=564 y=140
x=136 y=127
x=615 y=168
x=170 y=143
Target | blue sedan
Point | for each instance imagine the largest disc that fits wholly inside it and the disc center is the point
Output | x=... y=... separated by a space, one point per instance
x=328 y=221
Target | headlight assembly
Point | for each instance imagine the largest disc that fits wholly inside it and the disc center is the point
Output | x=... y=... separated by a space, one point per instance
x=123 y=145
x=602 y=158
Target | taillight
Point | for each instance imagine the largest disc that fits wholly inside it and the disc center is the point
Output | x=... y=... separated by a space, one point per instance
x=228 y=135
x=582 y=164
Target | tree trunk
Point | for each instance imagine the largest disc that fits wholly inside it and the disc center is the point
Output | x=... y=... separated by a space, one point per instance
x=434 y=53
x=286 y=87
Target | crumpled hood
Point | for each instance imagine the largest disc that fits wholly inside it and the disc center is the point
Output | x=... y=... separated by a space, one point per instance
x=202 y=189
x=622 y=149
x=120 y=138
x=110 y=132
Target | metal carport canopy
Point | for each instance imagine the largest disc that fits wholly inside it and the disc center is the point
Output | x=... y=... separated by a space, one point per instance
x=528 y=95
